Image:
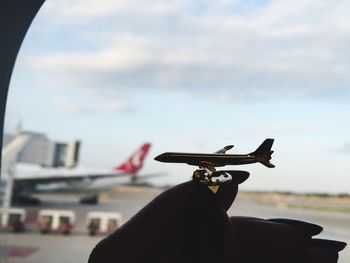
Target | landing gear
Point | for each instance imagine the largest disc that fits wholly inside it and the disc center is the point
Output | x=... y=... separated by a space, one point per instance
x=209 y=176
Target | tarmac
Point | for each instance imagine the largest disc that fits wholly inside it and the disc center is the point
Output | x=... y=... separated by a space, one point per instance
x=33 y=247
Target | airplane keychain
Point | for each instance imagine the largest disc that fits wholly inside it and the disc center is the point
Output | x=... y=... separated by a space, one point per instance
x=207 y=174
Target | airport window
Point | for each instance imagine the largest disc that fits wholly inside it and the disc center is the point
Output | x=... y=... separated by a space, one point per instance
x=112 y=103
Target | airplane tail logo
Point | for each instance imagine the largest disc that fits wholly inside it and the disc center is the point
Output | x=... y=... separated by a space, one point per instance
x=135 y=161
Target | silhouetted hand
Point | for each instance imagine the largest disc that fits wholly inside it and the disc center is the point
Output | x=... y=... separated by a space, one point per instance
x=183 y=224
x=188 y=223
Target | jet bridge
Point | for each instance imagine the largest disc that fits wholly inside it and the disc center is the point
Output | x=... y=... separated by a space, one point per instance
x=34 y=148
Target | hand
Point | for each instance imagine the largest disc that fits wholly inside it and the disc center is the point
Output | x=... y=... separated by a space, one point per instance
x=188 y=223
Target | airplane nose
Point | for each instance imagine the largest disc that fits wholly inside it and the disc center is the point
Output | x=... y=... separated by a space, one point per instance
x=160 y=157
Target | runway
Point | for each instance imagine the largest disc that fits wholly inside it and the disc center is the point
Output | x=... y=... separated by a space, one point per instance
x=33 y=247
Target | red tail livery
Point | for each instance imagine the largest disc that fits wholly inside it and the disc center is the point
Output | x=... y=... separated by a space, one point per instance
x=135 y=161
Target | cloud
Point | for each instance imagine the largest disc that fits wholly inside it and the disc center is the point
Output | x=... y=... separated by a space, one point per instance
x=89 y=9
x=284 y=129
x=68 y=108
x=282 y=49
x=93 y=101
x=130 y=54
x=345 y=149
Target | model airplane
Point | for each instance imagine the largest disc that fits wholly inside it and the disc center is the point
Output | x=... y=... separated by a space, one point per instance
x=208 y=161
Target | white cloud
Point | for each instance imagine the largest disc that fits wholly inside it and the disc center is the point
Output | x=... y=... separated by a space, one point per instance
x=117 y=106
x=345 y=149
x=93 y=101
x=131 y=53
x=89 y=9
x=282 y=49
x=68 y=108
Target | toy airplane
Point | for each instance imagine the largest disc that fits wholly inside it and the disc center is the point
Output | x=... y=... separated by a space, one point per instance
x=220 y=158
x=208 y=162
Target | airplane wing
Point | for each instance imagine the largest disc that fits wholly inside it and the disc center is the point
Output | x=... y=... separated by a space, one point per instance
x=196 y=159
x=46 y=179
x=225 y=149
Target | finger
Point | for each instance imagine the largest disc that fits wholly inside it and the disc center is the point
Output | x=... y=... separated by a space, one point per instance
x=200 y=228
x=324 y=250
x=266 y=241
x=328 y=244
x=228 y=191
x=184 y=222
x=148 y=231
x=309 y=228
x=320 y=255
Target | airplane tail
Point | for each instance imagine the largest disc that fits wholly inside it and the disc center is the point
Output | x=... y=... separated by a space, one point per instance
x=135 y=162
x=264 y=152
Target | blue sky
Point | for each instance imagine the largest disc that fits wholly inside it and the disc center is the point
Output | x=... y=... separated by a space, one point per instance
x=193 y=76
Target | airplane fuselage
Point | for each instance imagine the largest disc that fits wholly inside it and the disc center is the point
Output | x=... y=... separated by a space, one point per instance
x=82 y=187
x=210 y=160
x=217 y=160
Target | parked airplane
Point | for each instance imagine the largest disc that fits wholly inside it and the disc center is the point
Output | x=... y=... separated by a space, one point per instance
x=73 y=182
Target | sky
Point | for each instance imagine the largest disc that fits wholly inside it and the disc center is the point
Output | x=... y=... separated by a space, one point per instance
x=193 y=76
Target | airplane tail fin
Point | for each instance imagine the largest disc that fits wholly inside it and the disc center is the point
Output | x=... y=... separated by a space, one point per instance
x=135 y=162
x=264 y=152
